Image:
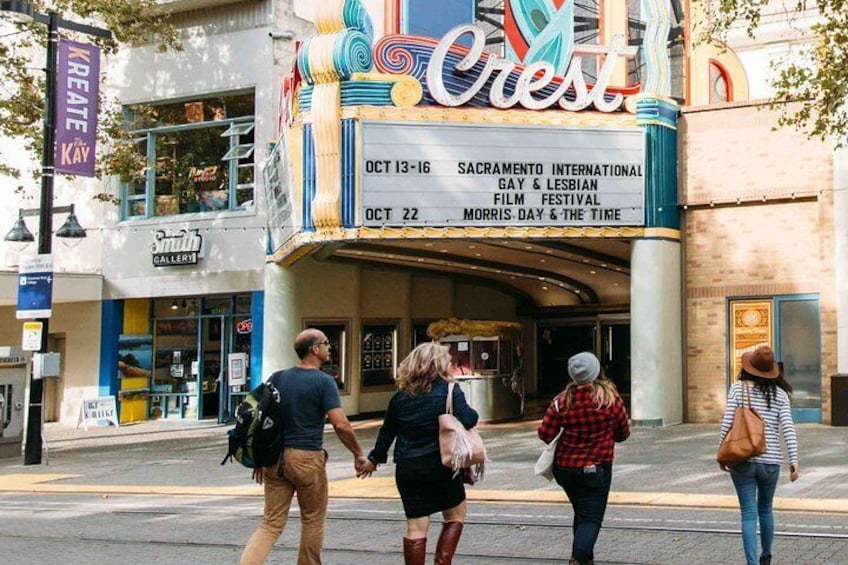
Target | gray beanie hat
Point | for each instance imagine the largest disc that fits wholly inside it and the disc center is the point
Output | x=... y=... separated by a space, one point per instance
x=584 y=368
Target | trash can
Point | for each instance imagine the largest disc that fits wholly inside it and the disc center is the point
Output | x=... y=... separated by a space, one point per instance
x=839 y=400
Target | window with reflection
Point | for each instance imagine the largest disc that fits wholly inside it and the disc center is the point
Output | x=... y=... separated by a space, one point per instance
x=174 y=380
x=199 y=156
x=336 y=332
x=719 y=84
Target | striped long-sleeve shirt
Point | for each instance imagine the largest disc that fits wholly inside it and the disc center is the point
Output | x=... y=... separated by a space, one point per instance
x=778 y=419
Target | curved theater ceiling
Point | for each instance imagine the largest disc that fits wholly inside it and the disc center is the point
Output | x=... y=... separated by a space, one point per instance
x=539 y=273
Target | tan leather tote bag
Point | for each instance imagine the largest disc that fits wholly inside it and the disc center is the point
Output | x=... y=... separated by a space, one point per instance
x=747 y=435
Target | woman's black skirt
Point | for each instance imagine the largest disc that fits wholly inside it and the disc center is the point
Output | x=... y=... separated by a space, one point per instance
x=426 y=486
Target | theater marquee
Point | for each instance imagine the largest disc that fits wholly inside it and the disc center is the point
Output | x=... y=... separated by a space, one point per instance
x=420 y=174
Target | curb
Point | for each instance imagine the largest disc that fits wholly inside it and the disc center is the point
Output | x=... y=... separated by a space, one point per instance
x=383 y=488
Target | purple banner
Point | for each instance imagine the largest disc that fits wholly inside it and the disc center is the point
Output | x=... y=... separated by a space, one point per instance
x=77 y=86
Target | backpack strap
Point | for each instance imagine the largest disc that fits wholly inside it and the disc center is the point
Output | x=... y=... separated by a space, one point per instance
x=230 y=451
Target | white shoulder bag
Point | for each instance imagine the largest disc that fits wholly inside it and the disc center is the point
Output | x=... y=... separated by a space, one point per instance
x=545 y=464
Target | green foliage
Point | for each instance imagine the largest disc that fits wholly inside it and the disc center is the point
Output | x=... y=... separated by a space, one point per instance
x=816 y=79
x=132 y=22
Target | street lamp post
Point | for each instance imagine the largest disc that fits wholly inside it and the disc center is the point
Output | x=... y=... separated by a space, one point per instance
x=21 y=9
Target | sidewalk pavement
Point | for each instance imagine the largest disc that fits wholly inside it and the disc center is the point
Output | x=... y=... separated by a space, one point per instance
x=673 y=466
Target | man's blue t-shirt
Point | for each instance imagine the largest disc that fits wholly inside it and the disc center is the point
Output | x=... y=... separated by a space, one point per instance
x=306 y=395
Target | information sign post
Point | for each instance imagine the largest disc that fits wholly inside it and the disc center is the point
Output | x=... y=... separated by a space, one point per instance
x=35 y=287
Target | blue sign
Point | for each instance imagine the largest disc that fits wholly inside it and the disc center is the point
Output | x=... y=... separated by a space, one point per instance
x=35 y=287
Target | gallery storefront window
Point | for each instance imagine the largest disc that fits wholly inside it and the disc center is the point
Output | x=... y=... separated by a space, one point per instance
x=199 y=156
x=192 y=339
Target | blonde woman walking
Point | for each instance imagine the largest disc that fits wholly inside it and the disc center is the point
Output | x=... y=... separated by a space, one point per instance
x=412 y=423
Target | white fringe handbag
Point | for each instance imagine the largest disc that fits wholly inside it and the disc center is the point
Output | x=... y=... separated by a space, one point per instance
x=545 y=464
x=460 y=448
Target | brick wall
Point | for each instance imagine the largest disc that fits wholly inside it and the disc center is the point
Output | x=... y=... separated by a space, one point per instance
x=757 y=223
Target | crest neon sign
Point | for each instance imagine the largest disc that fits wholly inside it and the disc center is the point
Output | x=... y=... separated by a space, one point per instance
x=570 y=93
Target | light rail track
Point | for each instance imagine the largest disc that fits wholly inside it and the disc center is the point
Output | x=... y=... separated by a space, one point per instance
x=363 y=555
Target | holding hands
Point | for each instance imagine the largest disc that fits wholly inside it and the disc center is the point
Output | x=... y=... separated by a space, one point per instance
x=366 y=468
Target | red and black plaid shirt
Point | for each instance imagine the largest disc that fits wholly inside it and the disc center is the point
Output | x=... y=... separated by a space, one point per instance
x=588 y=433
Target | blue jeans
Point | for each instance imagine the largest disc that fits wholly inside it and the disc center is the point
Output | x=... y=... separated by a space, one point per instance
x=588 y=493
x=755 y=484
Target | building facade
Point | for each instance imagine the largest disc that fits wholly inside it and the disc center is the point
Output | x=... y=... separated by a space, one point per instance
x=373 y=167
x=425 y=157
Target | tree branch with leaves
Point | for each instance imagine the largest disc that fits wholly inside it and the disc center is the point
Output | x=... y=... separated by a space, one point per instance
x=22 y=85
x=816 y=77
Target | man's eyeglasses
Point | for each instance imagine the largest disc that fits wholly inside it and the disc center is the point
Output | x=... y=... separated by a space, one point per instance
x=325 y=342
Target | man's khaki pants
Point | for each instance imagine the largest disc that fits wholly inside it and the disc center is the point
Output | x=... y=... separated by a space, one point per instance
x=304 y=472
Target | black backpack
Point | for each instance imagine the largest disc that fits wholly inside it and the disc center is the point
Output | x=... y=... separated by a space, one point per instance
x=257 y=438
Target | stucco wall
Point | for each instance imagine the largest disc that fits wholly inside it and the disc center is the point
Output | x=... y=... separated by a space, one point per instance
x=78 y=324
x=758 y=223
x=338 y=291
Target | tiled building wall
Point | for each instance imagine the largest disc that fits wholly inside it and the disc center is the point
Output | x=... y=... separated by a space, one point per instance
x=758 y=222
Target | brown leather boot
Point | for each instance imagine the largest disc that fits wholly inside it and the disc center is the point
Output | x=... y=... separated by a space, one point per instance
x=414 y=551
x=448 y=540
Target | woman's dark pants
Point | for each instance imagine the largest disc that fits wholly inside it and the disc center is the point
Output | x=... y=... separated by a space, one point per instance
x=588 y=493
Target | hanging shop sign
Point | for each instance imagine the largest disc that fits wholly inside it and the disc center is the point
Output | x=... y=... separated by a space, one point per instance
x=170 y=249
x=425 y=174
x=77 y=87
x=278 y=194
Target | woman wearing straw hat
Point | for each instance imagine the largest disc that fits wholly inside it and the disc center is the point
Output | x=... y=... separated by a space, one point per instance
x=755 y=480
x=592 y=418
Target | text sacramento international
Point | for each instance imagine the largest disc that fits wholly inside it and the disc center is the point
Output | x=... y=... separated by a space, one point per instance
x=556 y=169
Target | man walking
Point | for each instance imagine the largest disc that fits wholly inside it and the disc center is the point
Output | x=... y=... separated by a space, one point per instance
x=307 y=396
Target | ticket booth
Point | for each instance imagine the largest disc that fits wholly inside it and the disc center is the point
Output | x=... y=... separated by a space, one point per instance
x=12 y=383
x=486 y=363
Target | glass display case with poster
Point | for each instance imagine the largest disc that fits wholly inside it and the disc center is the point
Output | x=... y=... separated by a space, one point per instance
x=486 y=363
x=378 y=354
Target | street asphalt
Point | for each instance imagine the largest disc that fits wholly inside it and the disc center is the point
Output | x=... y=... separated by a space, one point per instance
x=664 y=480
x=671 y=466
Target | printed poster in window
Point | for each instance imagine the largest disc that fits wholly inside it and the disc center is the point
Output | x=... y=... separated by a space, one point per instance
x=750 y=327
x=194 y=112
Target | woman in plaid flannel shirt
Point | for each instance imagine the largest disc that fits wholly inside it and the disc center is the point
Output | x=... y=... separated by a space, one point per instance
x=592 y=417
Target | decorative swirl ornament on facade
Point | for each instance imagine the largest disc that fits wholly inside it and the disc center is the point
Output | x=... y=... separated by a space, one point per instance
x=545 y=30
x=572 y=94
x=341 y=49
